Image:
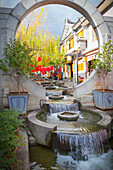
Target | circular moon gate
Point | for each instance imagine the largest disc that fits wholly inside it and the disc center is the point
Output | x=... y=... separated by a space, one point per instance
x=13 y=18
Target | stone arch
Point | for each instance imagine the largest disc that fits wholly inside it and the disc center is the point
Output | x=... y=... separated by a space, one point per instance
x=14 y=17
x=85 y=7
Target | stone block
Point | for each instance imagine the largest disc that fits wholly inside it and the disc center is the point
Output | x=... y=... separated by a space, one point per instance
x=5 y=10
x=1 y=49
x=4 y=16
x=2 y=23
x=28 y=4
x=18 y=11
x=97 y=18
x=89 y=7
x=12 y=23
x=79 y=2
x=103 y=28
x=5 y=35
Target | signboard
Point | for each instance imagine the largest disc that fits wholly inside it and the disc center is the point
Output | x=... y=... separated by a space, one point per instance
x=92 y=57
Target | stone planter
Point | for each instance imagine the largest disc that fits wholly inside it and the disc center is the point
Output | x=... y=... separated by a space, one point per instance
x=103 y=99
x=18 y=101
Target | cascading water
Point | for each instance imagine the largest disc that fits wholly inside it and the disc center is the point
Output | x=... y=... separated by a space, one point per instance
x=80 y=145
x=48 y=93
x=55 y=108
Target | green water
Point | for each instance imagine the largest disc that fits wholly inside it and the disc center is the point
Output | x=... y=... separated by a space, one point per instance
x=46 y=159
x=86 y=120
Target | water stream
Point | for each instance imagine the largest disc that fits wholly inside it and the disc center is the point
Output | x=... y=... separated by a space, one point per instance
x=77 y=145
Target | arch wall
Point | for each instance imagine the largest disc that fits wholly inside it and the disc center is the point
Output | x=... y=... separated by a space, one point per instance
x=11 y=18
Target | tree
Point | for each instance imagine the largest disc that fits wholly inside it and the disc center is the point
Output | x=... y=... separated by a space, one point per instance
x=104 y=63
x=17 y=60
x=37 y=37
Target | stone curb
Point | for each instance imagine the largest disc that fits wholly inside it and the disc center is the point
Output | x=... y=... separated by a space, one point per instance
x=23 y=152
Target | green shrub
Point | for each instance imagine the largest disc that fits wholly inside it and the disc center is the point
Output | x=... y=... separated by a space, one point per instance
x=9 y=122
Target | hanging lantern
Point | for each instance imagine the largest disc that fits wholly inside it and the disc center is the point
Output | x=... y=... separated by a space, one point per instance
x=45 y=69
x=31 y=65
x=48 y=68
x=51 y=67
x=32 y=71
x=37 y=68
x=41 y=69
x=39 y=58
x=43 y=72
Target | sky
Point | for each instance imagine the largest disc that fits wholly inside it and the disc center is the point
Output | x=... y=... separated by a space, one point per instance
x=56 y=14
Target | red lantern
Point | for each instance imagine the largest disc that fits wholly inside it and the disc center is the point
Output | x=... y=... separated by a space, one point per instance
x=31 y=65
x=43 y=72
x=32 y=71
x=45 y=69
x=51 y=67
x=39 y=58
x=41 y=69
x=37 y=68
x=48 y=68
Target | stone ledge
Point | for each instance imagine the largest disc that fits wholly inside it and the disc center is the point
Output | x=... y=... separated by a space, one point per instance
x=23 y=152
x=105 y=121
x=41 y=131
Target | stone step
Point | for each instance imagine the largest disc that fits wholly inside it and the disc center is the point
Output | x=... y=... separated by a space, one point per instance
x=88 y=105
x=86 y=99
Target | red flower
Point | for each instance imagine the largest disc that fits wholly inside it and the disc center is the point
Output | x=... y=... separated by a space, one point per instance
x=39 y=58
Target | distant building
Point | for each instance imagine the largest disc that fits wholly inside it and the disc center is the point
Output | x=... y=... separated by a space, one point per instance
x=80 y=44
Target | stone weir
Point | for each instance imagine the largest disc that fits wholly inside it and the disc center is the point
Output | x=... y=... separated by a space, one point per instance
x=80 y=144
x=48 y=93
x=49 y=135
x=54 y=108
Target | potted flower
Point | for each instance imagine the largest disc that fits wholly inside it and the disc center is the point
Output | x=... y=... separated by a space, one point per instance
x=103 y=97
x=17 y=63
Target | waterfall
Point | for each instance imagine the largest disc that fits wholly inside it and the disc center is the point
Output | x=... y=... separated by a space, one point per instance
x=54 y=108
x=53 y=93
x=81 y=144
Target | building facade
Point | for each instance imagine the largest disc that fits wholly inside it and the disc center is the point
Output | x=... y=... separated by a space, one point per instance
x=80 y=44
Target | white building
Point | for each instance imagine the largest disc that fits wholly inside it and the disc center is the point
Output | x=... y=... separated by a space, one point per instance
x=80 y=39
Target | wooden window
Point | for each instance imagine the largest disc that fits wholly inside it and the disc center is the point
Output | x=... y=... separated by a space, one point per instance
x=80 y=34
x=81 y=67
x=63 y=48
x=71 y=43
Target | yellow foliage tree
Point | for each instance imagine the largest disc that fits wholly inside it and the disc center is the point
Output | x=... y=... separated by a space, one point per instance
x=38 y=38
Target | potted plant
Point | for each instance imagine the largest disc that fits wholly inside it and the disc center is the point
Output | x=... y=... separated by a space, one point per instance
x=9 y=122
x=103 y=97
x=17 y=63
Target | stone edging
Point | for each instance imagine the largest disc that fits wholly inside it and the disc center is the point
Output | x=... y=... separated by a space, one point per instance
x=105 y=121
x=41 y=131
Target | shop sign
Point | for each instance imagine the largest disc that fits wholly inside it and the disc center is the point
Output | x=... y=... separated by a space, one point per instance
x=91 y=57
